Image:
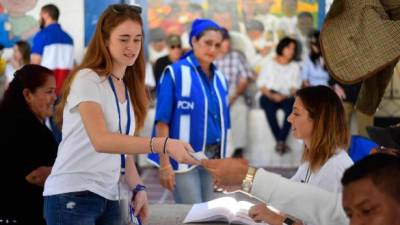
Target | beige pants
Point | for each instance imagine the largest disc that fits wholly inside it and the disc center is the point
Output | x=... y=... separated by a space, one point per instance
x=363 y=120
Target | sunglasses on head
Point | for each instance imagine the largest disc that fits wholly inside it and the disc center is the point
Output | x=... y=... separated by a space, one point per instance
x=121 y=8
x=175 y=46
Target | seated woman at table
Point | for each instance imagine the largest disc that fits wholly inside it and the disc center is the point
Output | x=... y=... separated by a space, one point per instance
x=318 y=119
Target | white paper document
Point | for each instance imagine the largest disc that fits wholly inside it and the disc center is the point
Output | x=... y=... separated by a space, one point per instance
x=225 y=209
x=198 y=155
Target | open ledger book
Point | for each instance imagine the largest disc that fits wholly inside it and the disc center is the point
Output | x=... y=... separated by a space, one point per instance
x=225 y=209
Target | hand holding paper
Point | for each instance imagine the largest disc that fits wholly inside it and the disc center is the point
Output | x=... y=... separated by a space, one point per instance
x=199 y=155
x=228 y=171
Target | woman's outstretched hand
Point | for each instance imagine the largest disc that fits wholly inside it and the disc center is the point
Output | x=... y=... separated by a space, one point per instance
x=180 y=151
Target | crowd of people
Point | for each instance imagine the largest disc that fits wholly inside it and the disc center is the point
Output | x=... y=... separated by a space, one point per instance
x=201 y=92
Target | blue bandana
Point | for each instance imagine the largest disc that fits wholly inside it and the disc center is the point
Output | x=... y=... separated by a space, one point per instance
x=199 y=25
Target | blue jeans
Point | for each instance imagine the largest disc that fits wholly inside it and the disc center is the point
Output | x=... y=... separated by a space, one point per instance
x=194 y=186
x=270 y=107
x=81 y=208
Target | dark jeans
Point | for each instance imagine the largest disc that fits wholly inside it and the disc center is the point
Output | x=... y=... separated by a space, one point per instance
x=81 y=208
x=270 y=107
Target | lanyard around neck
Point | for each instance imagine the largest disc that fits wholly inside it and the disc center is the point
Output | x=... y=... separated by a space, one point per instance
x=308 y=176
x=128 y=121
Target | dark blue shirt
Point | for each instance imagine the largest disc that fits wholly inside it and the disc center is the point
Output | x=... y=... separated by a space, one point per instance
x=166 y=101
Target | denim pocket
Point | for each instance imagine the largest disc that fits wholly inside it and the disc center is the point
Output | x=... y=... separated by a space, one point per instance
x=84 y=203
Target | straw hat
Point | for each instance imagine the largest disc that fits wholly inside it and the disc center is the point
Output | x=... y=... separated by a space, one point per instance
x=360 y=39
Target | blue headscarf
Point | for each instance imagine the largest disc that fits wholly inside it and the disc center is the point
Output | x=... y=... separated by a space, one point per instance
x=199 y=25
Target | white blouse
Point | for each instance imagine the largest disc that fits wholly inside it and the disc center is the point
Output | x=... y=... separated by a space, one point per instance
x=329 y=175
x=280 y=78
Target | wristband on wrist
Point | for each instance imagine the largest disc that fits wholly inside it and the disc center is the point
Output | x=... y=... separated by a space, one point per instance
x=151 y=145
x=138 y=187
x=165 y=144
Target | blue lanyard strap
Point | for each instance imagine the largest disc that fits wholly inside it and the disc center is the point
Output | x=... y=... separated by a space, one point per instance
x=128 y=121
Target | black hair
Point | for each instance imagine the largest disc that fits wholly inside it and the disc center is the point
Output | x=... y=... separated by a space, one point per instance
x=382 y=169
x=286 y=41
x=52 y=10
x=29 y=76
x=225 y=34
x=314 y=39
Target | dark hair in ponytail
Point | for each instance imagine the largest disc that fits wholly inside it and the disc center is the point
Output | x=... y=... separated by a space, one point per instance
x=29 y=76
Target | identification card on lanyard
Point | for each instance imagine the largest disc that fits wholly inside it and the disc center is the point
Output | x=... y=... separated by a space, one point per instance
x=128 y=121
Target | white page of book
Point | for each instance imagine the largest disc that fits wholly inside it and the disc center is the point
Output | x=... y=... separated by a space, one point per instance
x=221 y=209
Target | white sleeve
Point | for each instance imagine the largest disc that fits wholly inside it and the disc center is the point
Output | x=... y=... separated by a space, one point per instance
x=85 y=88
x=264 y=77
x=332 y=172
x=305 y=202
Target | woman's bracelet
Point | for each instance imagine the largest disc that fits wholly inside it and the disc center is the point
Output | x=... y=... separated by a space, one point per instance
x=151 y=145
x=138 y=187
x=165 y=167
x=165 y=144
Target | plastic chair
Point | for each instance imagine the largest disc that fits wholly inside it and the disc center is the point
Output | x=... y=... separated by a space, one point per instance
x=360 y=147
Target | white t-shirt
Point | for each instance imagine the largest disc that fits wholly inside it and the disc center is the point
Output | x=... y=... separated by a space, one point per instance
x=329 y=175
x=78 y=167
x=280 y=78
